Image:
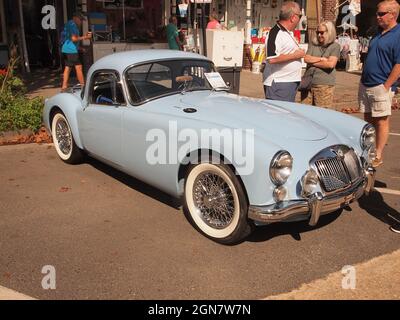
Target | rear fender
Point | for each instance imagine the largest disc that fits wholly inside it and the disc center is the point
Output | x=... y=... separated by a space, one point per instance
x=70 y=105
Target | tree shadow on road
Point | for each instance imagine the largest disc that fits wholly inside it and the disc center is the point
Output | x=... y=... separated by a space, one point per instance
x=295 y=229
x=135 y=184
x=43 y=79
x=375 y=205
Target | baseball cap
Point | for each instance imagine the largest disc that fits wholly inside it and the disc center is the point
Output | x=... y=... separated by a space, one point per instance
x=79 y=15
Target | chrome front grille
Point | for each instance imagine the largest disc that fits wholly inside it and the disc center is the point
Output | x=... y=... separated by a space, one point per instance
x=338 y=167
x=333 y=174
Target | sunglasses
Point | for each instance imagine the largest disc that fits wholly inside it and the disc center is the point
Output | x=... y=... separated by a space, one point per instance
x=381 y=14
x=321 y=32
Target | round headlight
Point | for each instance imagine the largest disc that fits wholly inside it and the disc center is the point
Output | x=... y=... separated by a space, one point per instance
x=280 y=168
x=309 y=183
x=367 y=139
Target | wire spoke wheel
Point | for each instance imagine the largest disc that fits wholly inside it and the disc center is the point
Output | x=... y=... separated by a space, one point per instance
x=214 y=199
x=63 y=136
x=215 y=203
x=64 y=141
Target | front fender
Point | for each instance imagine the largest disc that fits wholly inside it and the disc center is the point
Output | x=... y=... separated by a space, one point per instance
x=70 y=104
x=250 y=164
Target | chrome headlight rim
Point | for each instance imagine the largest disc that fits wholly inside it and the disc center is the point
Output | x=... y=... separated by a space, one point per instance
x=274 y=168
x=309 y=183
x=366 y=133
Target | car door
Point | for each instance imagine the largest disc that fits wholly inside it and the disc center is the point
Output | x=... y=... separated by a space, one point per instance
x=102 y=117
x=151 y=124
x=151 y=88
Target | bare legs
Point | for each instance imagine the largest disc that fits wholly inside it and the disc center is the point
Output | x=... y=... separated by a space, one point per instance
x=382 y=132
x=79 y=75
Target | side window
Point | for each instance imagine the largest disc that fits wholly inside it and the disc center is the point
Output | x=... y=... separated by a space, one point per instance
x=149 y=81
x=106 y=89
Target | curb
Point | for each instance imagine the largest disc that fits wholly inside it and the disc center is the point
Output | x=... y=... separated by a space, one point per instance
x=25 y=136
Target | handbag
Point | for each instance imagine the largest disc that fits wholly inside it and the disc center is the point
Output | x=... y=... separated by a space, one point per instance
x=306 y=82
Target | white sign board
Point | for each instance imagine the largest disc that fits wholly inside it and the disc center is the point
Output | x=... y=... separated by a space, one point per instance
x=215 y=80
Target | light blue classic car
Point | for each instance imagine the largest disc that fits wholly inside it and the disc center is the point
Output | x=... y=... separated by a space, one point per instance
x=166 y=117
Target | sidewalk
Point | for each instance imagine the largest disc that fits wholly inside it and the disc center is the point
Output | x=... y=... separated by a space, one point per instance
x=377 y=279
x=8 y=294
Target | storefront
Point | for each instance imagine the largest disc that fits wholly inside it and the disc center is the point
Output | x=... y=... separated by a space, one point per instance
x=126 y=25
x=120 y=25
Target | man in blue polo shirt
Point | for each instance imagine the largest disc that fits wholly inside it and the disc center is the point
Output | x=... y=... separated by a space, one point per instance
x=380 y=74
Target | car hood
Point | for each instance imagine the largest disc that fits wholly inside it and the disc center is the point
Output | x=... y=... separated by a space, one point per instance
x=266 y=119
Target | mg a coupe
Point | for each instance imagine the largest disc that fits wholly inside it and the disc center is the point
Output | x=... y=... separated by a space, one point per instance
x=167 y=118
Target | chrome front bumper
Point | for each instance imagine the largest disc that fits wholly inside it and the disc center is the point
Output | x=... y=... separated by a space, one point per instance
x=313 y=207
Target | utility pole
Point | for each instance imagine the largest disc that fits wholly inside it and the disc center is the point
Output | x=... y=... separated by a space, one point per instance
x=318 y=3
x=248 y=22
x=203 y=26
x=23 y=39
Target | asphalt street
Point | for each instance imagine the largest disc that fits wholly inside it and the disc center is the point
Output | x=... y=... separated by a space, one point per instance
x=109 y=236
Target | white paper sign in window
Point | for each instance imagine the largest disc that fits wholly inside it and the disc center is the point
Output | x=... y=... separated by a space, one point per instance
x=215 y=80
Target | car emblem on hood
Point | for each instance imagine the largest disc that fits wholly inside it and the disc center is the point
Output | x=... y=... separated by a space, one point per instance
x=189 y=110
x=339 y=153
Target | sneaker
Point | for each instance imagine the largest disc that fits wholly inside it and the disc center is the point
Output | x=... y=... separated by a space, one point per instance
x=395 y=228
x=377 y=162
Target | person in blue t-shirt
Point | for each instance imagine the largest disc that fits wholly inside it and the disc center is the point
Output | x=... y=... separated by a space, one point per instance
x=380 y=74
x=70 y=49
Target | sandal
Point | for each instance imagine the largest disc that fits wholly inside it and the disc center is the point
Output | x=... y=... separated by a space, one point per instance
x=377 y=162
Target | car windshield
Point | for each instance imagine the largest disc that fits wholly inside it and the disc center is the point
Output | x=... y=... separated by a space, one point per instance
x=160 y=78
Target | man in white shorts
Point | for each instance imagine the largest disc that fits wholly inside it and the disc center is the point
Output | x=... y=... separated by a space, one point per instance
x=380 y=77
x=380 y=74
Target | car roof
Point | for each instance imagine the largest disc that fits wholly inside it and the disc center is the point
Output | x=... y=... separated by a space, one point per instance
x=120 y=61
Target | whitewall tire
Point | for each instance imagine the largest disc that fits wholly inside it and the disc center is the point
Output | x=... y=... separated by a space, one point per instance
x=216 y=204
x=64 y=141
